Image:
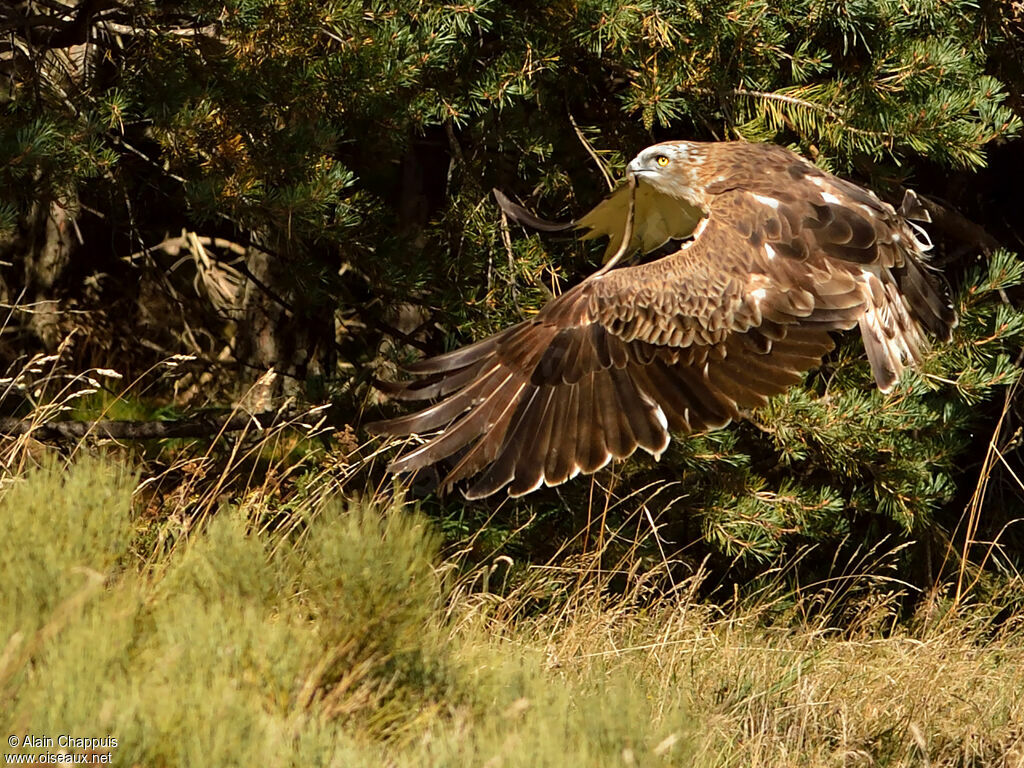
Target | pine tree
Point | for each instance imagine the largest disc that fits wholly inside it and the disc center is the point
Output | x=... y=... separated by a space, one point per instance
x=306 y=185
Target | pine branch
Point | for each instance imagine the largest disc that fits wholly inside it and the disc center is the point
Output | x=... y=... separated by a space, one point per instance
x=804 y=104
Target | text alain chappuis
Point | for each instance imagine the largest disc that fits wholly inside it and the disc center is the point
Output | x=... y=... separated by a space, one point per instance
x=62 y=742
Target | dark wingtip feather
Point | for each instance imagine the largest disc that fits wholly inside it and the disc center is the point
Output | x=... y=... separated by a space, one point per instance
x=389 y=388
x=518 y=213
x=461 y=357
x=379 y=427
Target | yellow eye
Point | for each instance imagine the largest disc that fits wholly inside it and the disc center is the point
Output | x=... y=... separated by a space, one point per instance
x=661 y=160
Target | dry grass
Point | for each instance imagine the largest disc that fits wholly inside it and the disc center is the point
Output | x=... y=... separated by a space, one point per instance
x=753 y=684
x=228 y=608
x=352 y=644
x=764 y=695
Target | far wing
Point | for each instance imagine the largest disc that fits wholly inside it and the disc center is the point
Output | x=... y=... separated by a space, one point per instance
x=658 y=219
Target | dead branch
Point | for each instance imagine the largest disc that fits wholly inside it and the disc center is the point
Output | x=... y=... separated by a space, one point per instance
x=198 y=426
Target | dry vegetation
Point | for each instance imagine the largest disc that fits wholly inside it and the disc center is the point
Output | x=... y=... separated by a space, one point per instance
x=226 y=618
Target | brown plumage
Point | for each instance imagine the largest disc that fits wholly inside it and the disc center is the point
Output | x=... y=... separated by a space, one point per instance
x=782 y=254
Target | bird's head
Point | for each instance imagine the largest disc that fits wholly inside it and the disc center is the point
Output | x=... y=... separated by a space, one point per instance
x=671 y=168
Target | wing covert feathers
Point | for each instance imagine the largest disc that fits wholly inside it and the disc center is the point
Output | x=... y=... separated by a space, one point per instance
x=786 y=255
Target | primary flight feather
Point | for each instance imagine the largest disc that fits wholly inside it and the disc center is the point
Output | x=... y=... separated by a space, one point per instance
x=782 y=253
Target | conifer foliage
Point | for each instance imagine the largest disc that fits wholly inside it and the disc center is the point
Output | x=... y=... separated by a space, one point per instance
x=305 y=184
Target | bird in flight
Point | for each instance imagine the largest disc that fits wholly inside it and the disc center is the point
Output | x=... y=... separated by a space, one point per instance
x=780 y=254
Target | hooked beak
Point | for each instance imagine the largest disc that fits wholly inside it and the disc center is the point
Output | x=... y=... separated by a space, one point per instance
x=637 y=169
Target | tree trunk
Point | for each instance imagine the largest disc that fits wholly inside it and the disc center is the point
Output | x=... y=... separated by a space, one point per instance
x=40 y=251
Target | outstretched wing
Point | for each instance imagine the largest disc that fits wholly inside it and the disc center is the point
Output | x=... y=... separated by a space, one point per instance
x=807 y=215
x=683 y=343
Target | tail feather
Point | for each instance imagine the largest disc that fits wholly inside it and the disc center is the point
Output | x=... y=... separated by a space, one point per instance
x=928 y=302
x=892 y=336
x=913 y=209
